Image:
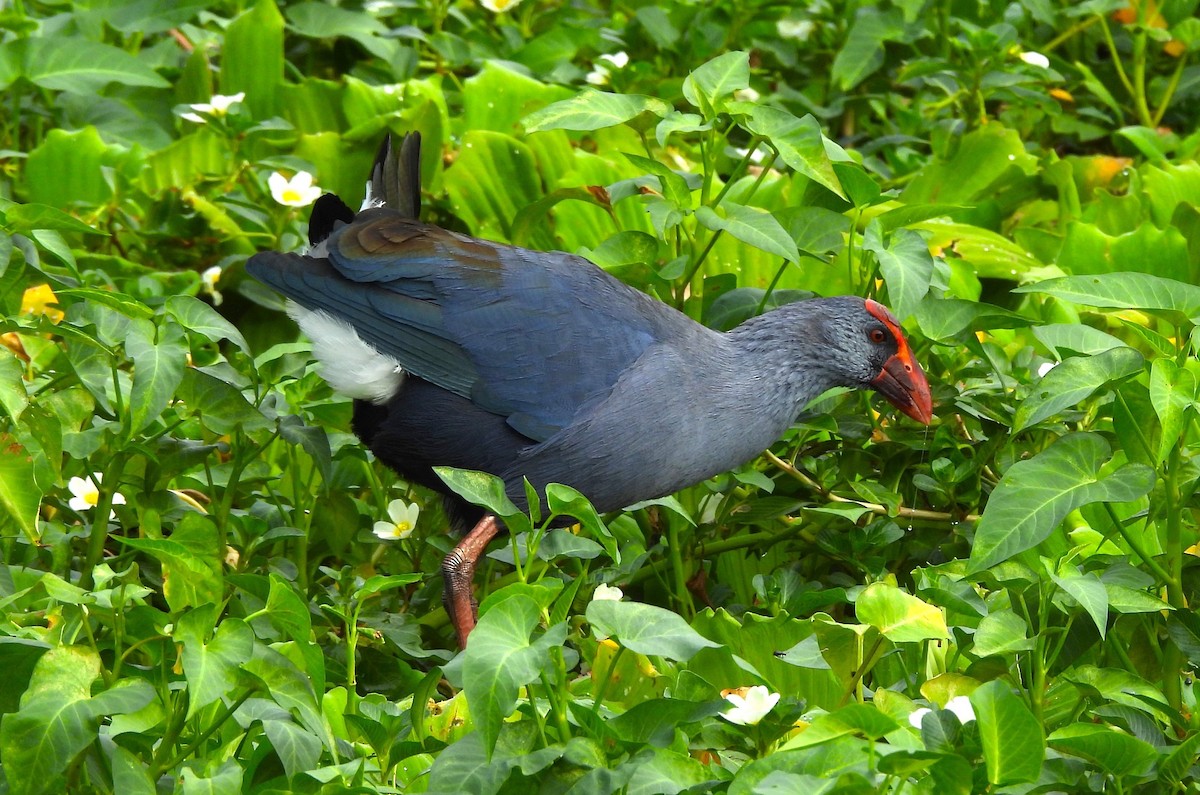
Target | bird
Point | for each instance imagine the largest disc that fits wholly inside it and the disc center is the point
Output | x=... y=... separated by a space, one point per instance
x=473 y=354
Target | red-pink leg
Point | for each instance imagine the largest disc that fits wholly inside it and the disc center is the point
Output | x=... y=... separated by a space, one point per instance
x=458 y=573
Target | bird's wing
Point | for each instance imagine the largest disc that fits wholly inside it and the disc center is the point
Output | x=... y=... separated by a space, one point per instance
x=532 y=336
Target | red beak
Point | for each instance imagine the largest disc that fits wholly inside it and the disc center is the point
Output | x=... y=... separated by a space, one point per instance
x=903 y=383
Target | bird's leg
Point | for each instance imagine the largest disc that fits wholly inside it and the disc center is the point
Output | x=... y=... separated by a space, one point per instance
x=458 y=573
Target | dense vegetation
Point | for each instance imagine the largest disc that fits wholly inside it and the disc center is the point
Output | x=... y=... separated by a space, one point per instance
x=209 y=586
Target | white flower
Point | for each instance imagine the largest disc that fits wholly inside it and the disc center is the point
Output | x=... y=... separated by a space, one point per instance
x=746 y=95
x=1046 y=367
x=798 y=29
x=962 y=709
x=299 y=191
x=210 y=277
x=748 y=710
x=403 y=517
x=598 y=76
x=497 y=6
x=600 y=71
x=85 y=494
x=959 y=705
x=915 y=717
x=1035 y=59
x=617 y=59
x=607 y=593
x=219 y=106
x=756 y=157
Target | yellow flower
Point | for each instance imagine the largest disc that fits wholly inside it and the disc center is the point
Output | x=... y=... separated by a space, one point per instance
x=403 y=517
x=37 y=300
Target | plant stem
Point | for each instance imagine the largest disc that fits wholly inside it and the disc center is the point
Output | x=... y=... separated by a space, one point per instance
x=201 y=738
x=100 y=514
x=876 y=508
x=674 y=549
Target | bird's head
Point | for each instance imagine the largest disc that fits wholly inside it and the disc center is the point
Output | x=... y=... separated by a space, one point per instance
x=900 y=378
x=870 y=340
x=848 y=341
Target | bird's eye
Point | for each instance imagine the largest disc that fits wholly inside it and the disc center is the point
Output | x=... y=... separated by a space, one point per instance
x=877 y=336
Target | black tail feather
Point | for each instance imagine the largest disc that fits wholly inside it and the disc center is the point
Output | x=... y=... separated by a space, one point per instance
x=396 y=175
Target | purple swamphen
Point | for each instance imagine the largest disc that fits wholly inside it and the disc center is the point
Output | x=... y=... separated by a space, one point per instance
x=466 y=353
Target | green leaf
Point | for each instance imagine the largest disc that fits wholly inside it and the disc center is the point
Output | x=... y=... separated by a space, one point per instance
x=1148 y=249
x=313 y=439
x=191 y=560
x=130 y=775
x=1173 y=390
x=28 y=217
x=69 y=63
x=186 y=161
x=321 y=21
x=67 y=168
x=211 y=668
x=1112 y=749
x=481 y=488
x=646 y=629
x=661 y=770
x=380 y=583
x=525 y=219
x=252 y=58
x=195 y=315
x=1123 y=291
x=984 y=159
x=498 y=97
x=717 y=79
x=906 y=265
x=221 y=406
x=1012 y=738
x=289 y=687
x=1172 y=769
x=20 y=496
x=862 y=54
x=593 y=110
x=58 y=718
x=799 y=143
x=501 y=657
x=139 y=16
x=900 y=616
x=1073 y=381
x=127 y=306
x=14 y=397
x=656 y=719
x=944 y=319
x=1088 y=591
x=988 y=254
x=158 y=367
x=287 y=611
x=297 y=748
x=494 y=177
x=674 y=122
x=674 y=186
x=1062 y=338
x=1002 y=632
x=753 y=226
x=1034 y=495
x=566 y=501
